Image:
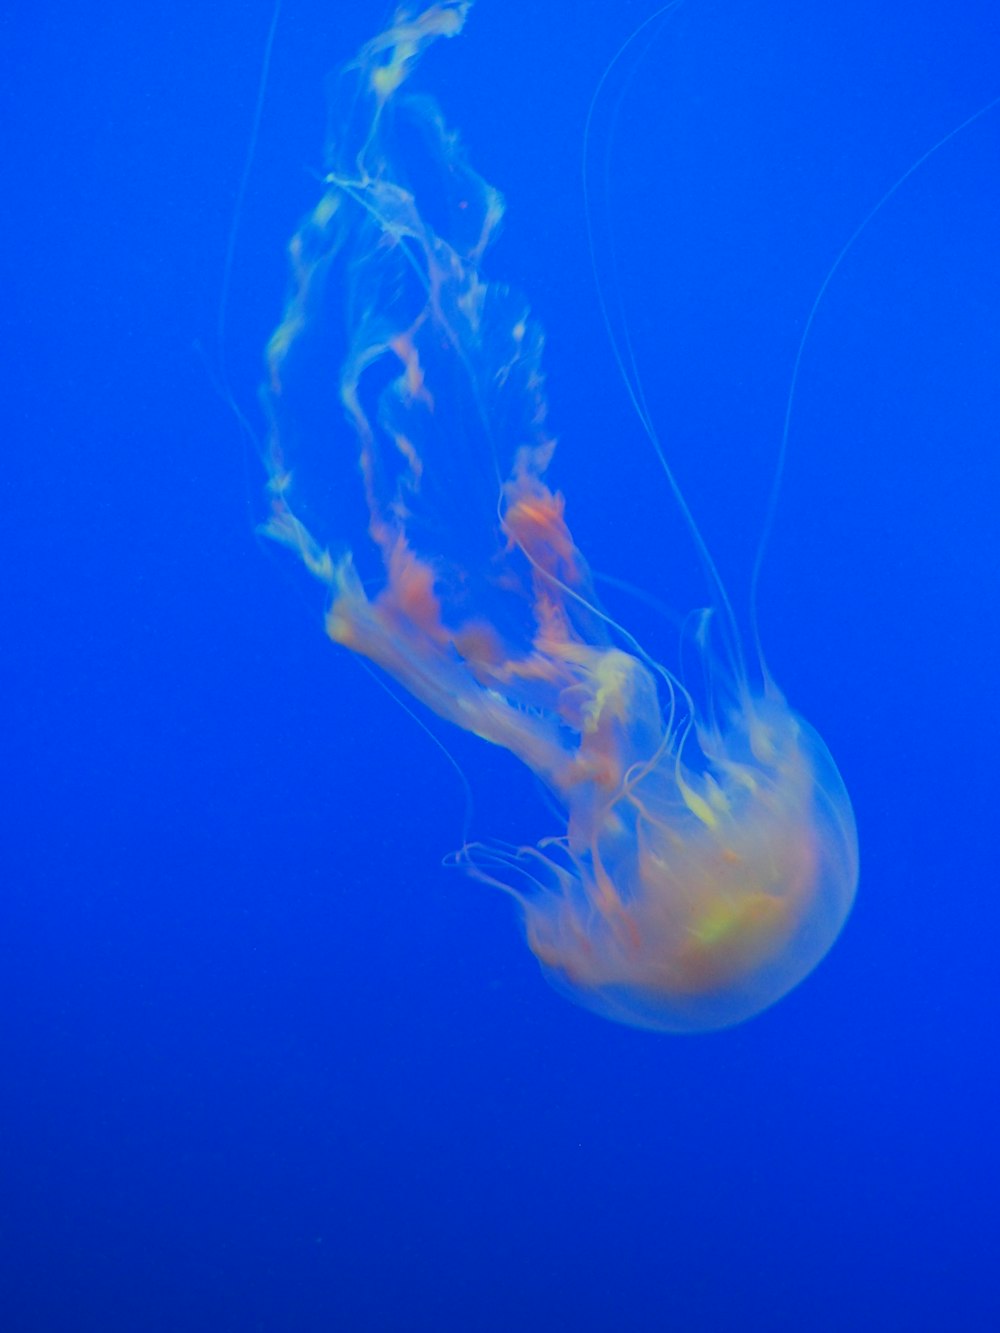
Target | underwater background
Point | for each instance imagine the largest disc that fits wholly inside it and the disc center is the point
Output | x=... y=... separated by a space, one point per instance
x=267 y=1064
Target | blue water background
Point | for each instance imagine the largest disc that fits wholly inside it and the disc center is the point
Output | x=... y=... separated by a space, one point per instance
x=266 y=1064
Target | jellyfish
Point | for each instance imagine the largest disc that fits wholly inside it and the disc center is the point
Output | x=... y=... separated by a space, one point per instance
x=706 y=858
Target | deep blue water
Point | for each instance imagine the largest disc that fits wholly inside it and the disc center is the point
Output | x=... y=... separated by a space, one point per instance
x=266 y=1063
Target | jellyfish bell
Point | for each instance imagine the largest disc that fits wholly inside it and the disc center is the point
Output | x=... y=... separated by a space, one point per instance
x=698 y=886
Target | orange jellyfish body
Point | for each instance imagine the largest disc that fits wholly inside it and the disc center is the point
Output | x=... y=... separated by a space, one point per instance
x=708 y=859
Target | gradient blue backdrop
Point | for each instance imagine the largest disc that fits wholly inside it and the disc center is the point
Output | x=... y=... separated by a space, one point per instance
x=264 y=1063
